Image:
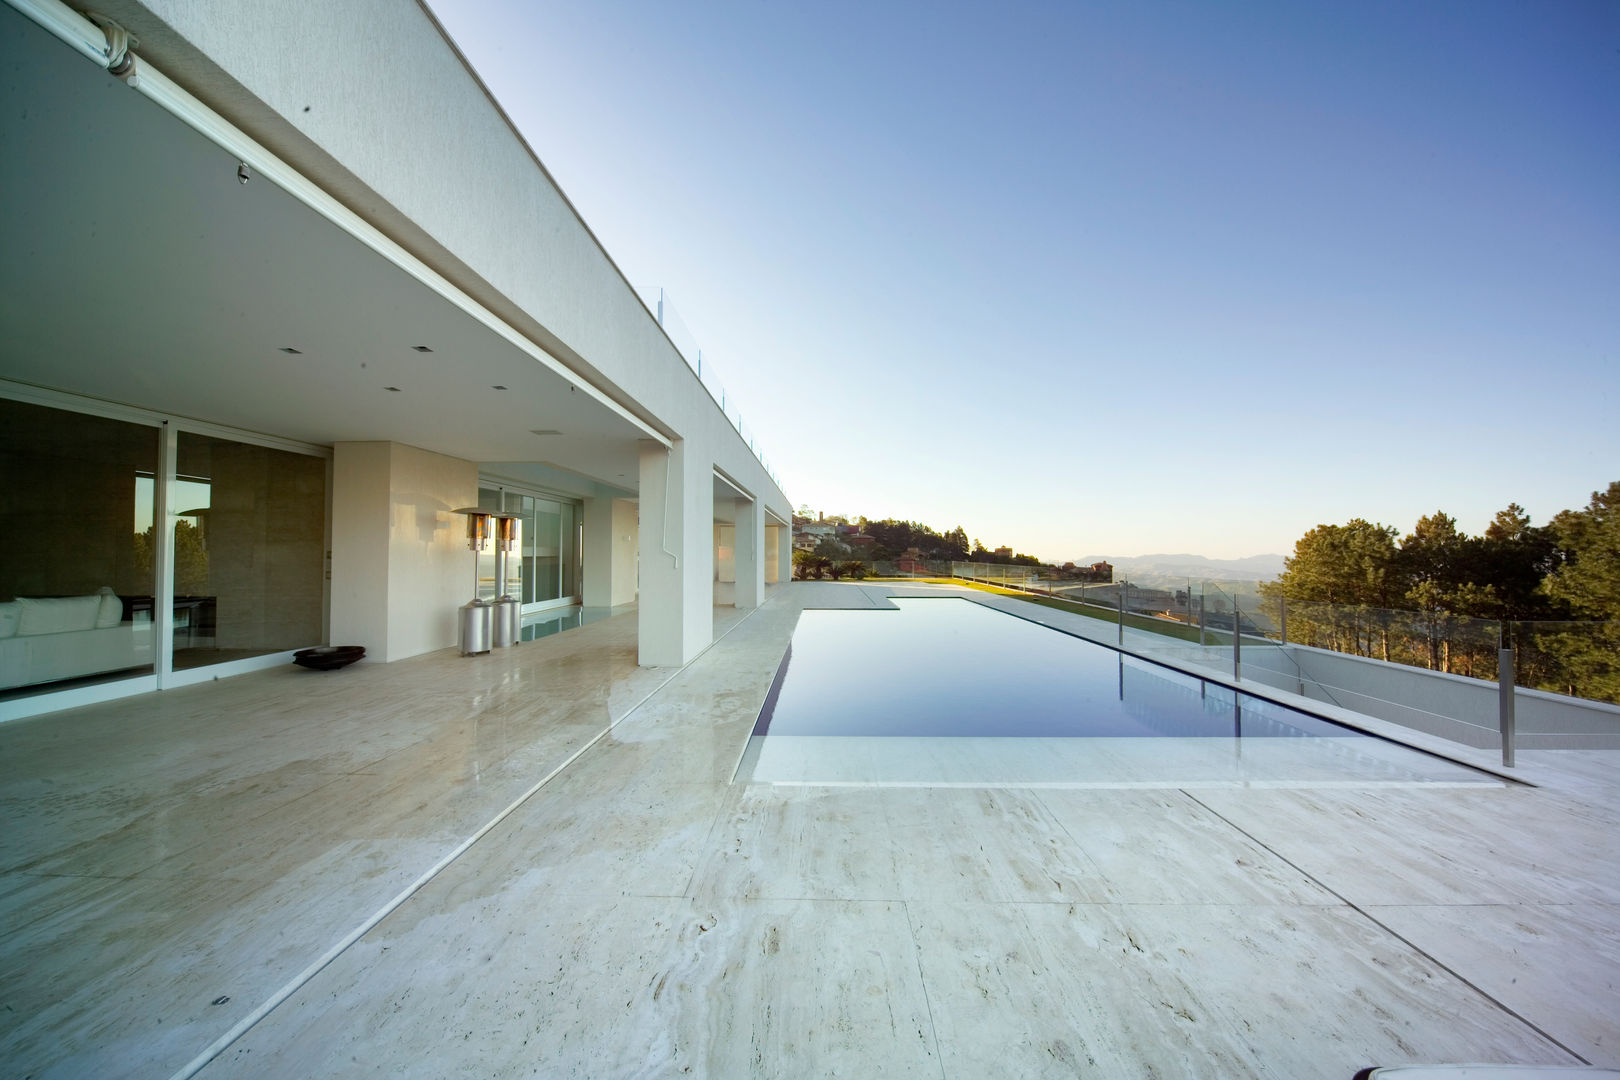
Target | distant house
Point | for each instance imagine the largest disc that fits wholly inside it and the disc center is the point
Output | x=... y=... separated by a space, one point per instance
x=911 y=562
x=806 y=537
x=1004 y=552
x=861 y=543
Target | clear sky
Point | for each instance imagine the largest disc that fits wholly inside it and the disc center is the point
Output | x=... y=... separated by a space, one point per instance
x=1114 y=279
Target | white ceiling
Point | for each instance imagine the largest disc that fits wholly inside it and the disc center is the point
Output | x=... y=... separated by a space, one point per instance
x=138 y=269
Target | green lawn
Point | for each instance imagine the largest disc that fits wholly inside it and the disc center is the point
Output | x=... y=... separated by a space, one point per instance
x=1090 y=611
x=1103 y=614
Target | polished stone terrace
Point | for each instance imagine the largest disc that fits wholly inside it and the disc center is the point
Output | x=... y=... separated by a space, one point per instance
x=174 y=864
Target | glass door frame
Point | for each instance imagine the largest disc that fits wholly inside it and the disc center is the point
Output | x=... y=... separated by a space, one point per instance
x=504 y=487
x=166 y=429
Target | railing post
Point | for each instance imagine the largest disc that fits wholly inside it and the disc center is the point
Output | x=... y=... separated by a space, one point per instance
x=1504 y=702
x=1122 y=587
x=1203 y=612
x=1237 y=640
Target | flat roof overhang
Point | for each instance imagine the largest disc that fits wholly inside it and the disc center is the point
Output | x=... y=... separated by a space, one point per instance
x=141 y=270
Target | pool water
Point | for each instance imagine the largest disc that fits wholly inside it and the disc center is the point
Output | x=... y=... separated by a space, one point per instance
x=555 y=621
x=949 y=691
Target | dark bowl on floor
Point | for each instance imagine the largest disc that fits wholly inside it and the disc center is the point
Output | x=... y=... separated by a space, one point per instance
x=328 y=657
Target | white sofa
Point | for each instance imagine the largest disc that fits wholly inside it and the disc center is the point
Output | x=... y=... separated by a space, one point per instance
x=43 y=639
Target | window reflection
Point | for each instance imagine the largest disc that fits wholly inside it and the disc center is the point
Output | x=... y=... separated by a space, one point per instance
x=249 y=555
x=76 y=548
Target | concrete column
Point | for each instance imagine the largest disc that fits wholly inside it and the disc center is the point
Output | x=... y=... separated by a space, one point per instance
x=750 y=547
x=675 y=609
x=598 y=586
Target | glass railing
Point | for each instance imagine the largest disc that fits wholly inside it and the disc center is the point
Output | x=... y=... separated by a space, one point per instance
x=1435 y=640
x=910 y=568
x=1575 y=659
x=1428 y=670
x=658 y=303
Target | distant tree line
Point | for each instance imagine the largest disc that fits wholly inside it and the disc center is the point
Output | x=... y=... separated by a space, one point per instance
x=894 y=538
x=1439 y=598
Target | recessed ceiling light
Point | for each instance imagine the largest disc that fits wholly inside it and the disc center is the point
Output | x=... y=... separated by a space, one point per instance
x=544 y=431
x=421 y=348
x=290 y=351
x=497 y=388
x=395 y=389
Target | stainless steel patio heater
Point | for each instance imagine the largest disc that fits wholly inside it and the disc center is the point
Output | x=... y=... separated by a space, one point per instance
x=504 y=612
x=475 y=614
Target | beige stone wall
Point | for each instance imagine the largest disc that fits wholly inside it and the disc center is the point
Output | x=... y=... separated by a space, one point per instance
x=265 y=536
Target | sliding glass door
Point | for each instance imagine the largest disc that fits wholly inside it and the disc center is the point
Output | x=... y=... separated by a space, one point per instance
x=543 y=570
x=149 y=551
x=77 y=548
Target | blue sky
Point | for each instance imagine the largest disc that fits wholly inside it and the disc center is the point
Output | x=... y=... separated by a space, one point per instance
x=1116 y=279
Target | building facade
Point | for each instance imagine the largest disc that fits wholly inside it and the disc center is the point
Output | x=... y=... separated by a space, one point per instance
x=283 y=290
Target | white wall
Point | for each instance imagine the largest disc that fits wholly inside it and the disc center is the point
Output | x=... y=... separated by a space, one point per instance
x=749 y=551
x=429 y=563
x=360 y=517
x=725 y=551
x=400 y=564
x=597 y=588
x=625 y=527
x=610 y=552
x=774 y=540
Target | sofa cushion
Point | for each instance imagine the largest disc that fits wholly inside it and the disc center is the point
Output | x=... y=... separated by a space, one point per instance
x=9 y=613
x=111 y=612
x=57 y=614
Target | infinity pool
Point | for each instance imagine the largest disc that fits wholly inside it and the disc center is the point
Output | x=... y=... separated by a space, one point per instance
x=948 y=691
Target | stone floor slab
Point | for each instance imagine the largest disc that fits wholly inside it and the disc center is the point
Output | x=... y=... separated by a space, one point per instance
x=1194 y=991
x=513 y=984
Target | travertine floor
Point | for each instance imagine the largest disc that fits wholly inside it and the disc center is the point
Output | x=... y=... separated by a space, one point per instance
x=642 y=915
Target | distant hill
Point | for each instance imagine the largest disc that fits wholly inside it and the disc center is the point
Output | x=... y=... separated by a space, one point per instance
x=1160 y=570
